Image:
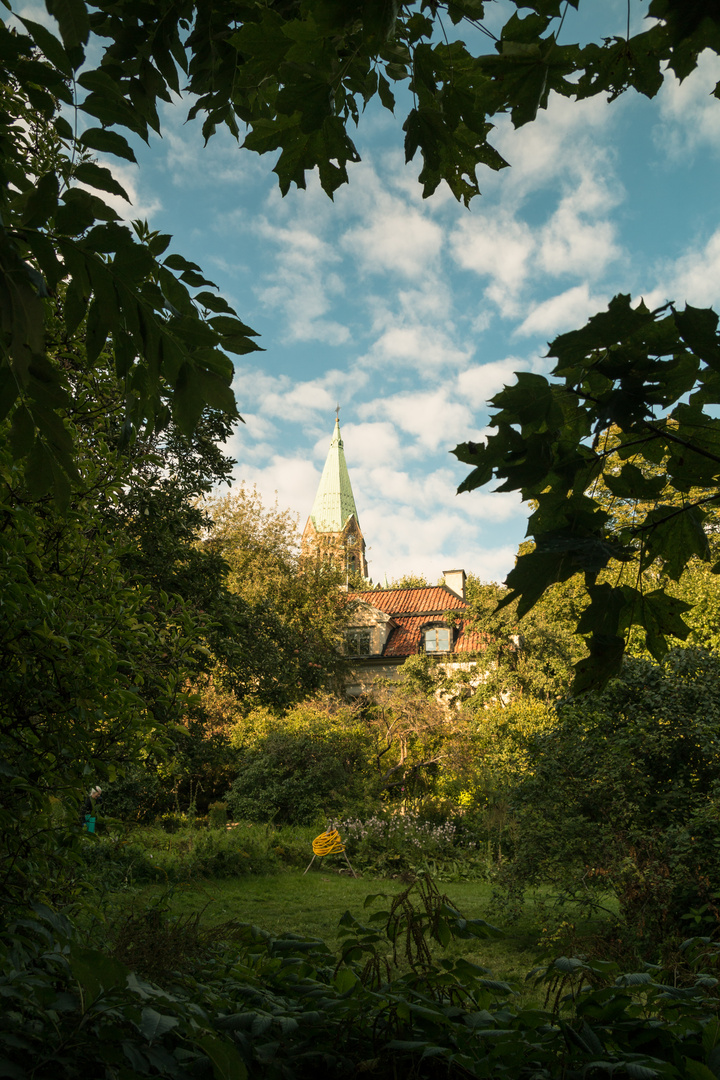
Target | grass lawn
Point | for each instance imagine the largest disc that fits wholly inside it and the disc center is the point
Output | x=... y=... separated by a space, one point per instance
x=312 y=904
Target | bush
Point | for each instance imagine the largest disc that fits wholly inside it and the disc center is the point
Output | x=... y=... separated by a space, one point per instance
x=310 y=765
x=392 y=845
x=243 y=1002
x=217 y=815
x=138 y=796
x=184 y=856
x=622 y=791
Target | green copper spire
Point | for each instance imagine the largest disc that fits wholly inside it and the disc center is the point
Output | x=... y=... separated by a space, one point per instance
x=334 y=502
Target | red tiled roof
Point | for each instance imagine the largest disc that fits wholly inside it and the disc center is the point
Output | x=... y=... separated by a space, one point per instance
x=470 y=640
x=413 y=609
x=434 y=599
x=406 y=638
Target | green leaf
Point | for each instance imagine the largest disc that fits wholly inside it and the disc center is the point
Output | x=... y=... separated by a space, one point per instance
x=109 y=110
x=45 y=254
x=387 y=97
x=674 y=534
x=153 y=1025
x=177 y=262
x=42 y=201
x=698 y=328
x=80 y=212
x=95 y=972
x=226 y=1061
x=72 y=19
x=108 y=142
x=22 y=432
x=45 y=383
x=8 y=390
x=214 y=303
x=193 y=331
x=75 y=307
x=48 y=44
x=190 y=277
x=97 y=176
x=697 y=1070
x=133 y=263
x=232 y=327
x=604 y=661
x=662 y=615
x=61 y=487
x=632 y=483
x=345 y=980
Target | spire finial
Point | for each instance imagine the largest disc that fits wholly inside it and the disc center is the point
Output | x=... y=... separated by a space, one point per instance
x=337 y=413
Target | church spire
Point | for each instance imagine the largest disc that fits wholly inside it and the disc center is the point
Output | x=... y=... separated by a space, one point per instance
x=333 y=526
x=334 y=502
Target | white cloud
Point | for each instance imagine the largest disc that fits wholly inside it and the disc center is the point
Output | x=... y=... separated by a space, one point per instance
x=292 y=480
x=190 y=163
x=483 y=381
x=38 y=13
x=429 y=416
x=301 y=285
x=689 y=114
x=561 y=162
x=497 y=246
x=402 y=541
x=424 y=349
x=399 y=239
x=571 y=243
x=692 y=278
x=299 y=400
x=567 y=311
x=389 y=233
x=564 y=139
x=430 y=299
x=374 y=444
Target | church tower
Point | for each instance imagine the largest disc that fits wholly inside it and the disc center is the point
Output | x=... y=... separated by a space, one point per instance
x=333 y=529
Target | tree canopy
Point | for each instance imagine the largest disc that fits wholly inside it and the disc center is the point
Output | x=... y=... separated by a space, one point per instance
x=296 y=76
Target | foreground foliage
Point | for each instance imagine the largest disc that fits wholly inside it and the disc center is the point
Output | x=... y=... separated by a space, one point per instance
x=239 y=1002
x=629 y=410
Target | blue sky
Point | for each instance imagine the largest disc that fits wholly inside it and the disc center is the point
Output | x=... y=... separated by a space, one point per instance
x=411 y=313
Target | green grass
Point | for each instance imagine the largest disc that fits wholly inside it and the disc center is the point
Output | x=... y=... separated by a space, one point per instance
x=312 y=904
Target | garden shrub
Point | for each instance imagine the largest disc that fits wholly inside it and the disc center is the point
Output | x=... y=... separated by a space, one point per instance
x=217 y=815
x=152 y=856
x=622 y=792
x=138 y=796
x=301 y=768
x=392 y=845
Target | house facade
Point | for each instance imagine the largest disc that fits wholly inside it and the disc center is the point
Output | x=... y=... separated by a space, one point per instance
x=389 y=625
x=386 y=626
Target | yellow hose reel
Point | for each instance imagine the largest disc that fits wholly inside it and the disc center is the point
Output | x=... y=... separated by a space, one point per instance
x=328 y=843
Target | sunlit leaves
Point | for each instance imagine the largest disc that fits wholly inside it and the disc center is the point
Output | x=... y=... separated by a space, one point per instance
x=620 y=468
x=61 y=233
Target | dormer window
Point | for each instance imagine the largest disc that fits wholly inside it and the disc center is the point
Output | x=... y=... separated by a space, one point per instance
x=357 y=642
x=437 y=639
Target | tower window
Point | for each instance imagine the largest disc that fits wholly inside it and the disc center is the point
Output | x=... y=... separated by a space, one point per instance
x=437 y=639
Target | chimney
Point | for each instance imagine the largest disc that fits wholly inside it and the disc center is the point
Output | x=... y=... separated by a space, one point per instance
x=455 y=581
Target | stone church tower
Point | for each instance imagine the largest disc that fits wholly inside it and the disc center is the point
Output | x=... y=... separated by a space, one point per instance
x=333 y=529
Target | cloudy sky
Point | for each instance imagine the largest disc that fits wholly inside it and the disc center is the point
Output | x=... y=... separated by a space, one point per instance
x=410 y=314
